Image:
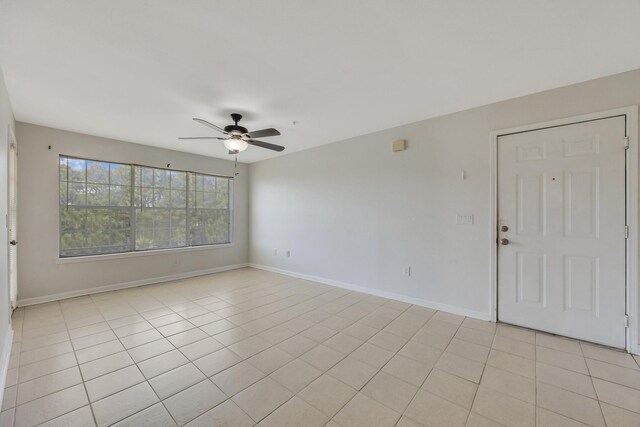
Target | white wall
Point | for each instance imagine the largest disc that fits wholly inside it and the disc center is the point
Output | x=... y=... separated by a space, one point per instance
x=357 y=213
x=40 y=273
x=6 y=122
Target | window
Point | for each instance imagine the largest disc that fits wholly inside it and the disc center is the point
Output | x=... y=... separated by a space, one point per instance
x=161 y=208
x=114 y=207
x=209 y=209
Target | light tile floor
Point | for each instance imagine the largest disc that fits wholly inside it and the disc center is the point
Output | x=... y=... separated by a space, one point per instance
x=250 y=347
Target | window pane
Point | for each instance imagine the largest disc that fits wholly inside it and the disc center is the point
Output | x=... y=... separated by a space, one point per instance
x=121 y=219
x=178 y=180
x=216 y=226
x=161 y=238
x=178 y=228
x=120 y=240
x=222 y=201
x=209 y=210
x=97 y=172
x=209 y=200
x=197 y=200
x=97 y=195
x=163 y=193
x=162 y=198
x=209 y=183
x=77 y=194
x=144 y=238
x=147 y=177
x=144 y=197
x=161 y=178
x=198 y=182
x=63 y=193
x=63 y=168
x=162 y=218
x=77 y=170
x=72 y=219
x=72 y=243
x=144 y=218
x=179 y=199
x=120 y=174
x=120 y=195
x=97 y=219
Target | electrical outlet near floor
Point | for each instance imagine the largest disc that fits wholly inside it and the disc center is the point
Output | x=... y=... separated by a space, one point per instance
x=288 y=254
x=275 y=252
x=406 y=270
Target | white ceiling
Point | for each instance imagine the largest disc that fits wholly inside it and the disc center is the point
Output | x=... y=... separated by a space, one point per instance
x=140 y=70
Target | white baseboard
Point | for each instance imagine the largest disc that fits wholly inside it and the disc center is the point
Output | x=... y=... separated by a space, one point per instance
x=391 y=295
x=117 y=286
x=4 y=360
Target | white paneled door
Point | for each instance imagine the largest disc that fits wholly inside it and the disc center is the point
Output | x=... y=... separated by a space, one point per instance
x=561 y=230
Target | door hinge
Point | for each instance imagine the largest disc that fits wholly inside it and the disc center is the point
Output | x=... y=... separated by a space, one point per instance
x=626 y=142
x=626 y=231
x=626 y=321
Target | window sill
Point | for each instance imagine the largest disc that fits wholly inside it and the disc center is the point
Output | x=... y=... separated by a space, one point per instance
x=124 y=255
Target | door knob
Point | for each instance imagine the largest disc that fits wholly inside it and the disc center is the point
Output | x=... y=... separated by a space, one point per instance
x=13 y=243
x=504 y=241
x=504 y=228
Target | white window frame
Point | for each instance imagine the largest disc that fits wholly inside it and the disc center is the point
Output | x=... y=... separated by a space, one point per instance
x=133 y=252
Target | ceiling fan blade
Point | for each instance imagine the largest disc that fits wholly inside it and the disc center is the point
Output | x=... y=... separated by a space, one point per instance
x=263 y=133
x=201 y=137
x=210 y=125
x=266 y=145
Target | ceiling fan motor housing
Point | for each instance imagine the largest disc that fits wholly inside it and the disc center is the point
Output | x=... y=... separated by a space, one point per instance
x=236 y=129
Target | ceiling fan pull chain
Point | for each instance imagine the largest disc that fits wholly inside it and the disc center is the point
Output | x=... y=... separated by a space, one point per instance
x=236 y=165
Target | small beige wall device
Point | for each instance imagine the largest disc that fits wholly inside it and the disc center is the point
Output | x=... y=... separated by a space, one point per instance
x=399 y=145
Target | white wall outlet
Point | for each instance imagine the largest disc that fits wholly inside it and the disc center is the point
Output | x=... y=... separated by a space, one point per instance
x=288 y=254
x=464 y=219
x=406 y=270
x=275 y=252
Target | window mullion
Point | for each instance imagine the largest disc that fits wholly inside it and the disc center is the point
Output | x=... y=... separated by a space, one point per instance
x=132 y=211
x=187 y=236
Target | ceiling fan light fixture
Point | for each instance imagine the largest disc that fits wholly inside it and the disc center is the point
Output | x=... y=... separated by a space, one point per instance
x=235 y=144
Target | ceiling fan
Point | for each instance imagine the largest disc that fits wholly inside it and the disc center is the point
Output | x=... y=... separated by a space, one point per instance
x=238 y=138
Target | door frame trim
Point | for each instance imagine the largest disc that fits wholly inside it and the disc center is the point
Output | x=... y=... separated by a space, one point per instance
x=11 y=141
x=632 y=163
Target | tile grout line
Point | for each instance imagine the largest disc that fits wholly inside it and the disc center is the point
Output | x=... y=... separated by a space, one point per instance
x=594 y=388
x=323 y=373
x=275 y=345
x=84 y=386
x=141 y=373
x=380 y=370
x=358 y=391
x=305 y=301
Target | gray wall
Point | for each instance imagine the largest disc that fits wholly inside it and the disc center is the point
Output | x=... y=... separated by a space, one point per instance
x=6 y=122
x=357 y=213
x=40 y=273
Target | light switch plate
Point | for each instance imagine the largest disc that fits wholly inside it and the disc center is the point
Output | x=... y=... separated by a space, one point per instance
x=464 y=219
